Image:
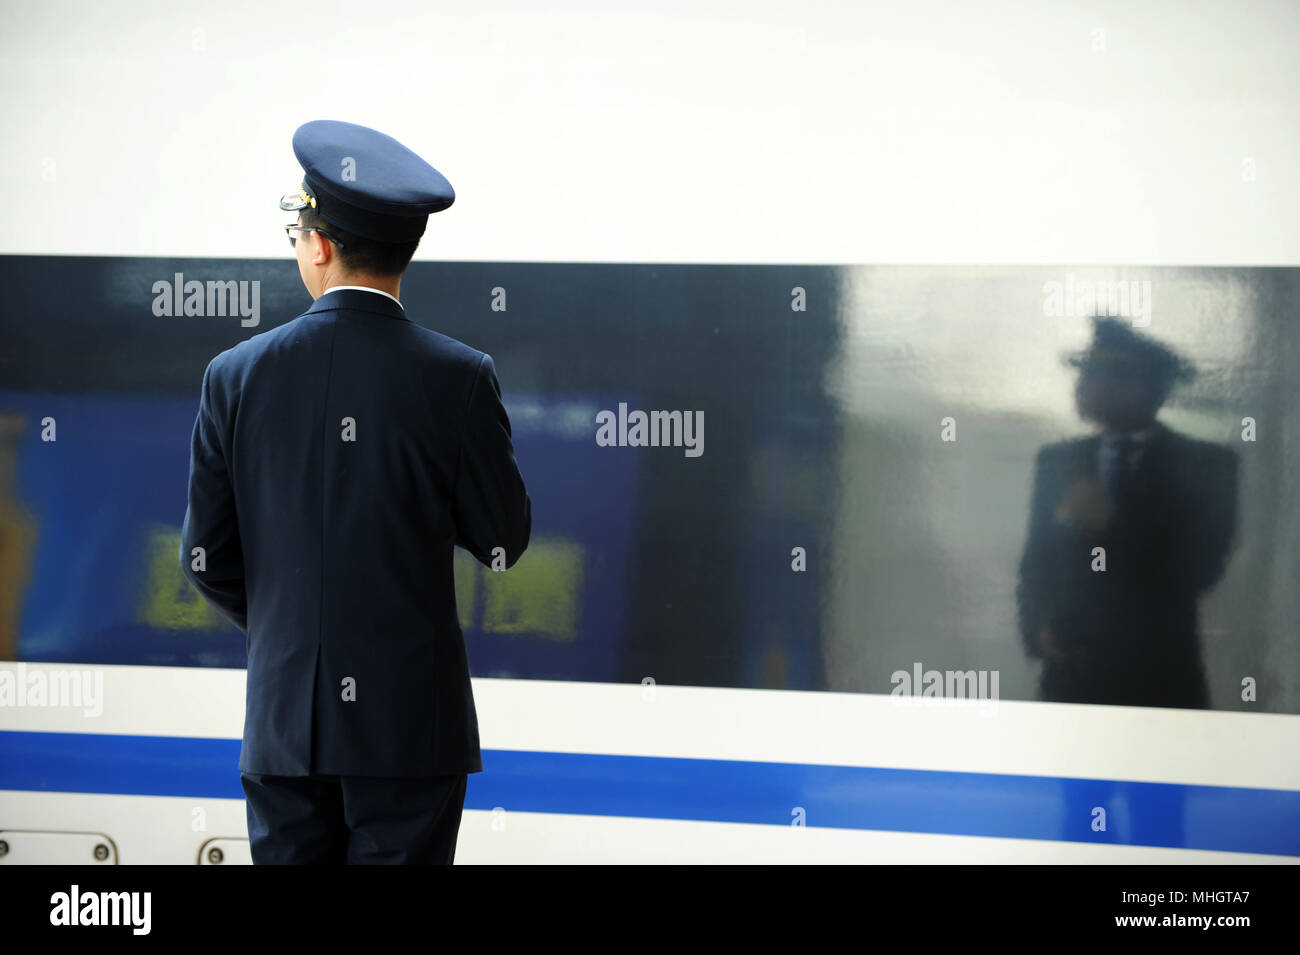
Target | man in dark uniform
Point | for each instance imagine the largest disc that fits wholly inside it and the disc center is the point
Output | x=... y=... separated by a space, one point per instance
x=1162 y=506
x=336 y=461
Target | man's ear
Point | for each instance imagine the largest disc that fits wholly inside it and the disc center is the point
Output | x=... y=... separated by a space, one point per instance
x=321 y=249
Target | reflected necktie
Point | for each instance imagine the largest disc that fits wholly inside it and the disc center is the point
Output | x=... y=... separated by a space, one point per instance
x=1114 y=468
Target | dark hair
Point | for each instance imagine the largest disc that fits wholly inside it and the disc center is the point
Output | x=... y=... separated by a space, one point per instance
x=364 y=255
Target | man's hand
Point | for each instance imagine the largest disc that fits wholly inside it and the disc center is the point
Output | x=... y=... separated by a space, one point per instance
x=1050 y=646
x=1084 y=504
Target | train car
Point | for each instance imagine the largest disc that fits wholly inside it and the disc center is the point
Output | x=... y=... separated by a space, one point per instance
x=794 y=629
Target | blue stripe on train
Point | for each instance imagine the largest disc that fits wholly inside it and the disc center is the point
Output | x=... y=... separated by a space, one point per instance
x=847 y=797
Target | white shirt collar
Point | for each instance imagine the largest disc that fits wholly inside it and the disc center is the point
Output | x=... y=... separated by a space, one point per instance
x=362 y=288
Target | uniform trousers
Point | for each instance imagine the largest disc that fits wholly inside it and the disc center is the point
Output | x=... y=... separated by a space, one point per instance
x=357 y=820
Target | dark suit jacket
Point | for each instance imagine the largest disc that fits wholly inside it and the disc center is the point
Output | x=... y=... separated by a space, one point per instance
x=1131 y=630
x=334 y=556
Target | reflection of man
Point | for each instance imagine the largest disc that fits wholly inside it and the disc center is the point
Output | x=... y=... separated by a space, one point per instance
x=335 y=463
x=1163 y=508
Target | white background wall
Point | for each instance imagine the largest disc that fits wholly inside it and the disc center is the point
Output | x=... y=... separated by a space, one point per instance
x=672 y=131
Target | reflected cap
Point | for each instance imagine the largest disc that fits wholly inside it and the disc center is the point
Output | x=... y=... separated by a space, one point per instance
x=365 y=182
x=1116 y=345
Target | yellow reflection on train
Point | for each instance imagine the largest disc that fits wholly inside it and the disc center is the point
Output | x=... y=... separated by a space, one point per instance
x=169 y=600
x=540 y=596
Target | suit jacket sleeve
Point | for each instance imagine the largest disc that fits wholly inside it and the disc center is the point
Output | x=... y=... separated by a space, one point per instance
x=1206 y=539
x=491 y=506
x=1031 y=590
x=210 y=519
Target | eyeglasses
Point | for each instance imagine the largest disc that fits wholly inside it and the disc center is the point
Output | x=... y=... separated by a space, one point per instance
x=293 y=229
